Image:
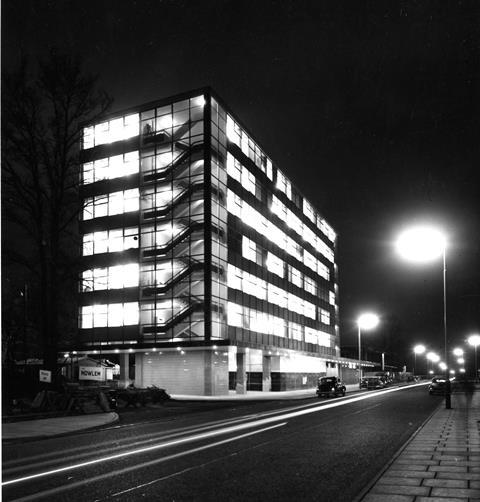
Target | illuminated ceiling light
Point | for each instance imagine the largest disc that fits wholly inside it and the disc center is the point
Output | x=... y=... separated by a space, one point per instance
x=199 y=101
x=421 y=244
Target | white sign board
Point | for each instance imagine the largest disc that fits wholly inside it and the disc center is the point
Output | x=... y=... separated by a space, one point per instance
x=91 y=373
x=45 y=376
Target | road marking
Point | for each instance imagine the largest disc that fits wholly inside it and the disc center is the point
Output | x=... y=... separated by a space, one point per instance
x=77 y=484
x=197 y=437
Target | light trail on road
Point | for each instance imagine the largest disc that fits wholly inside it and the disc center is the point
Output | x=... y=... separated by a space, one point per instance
x=279 y=415
x=118 y=472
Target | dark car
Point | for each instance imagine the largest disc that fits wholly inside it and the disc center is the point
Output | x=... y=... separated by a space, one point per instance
x=437 y=385
x=330 y=386
x=374 y=382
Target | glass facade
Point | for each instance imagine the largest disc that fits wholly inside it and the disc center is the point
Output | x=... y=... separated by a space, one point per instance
x=192 y=235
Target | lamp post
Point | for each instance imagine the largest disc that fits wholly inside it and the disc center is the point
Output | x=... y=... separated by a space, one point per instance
x=365 y=321
x=474 y=340
x=418 y=349
x=422 y=244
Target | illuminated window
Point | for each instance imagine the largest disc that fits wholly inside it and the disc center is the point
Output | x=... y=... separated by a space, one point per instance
x=234 y=168
x=112 y=203
x=115 y=277
x=326 y=229
x=311 y=335
x=249 y=249
x=295 y=331
x=235 y=315
x=324 y=339
x=283 y=184
x=234 y=277
x=323 y=271
x=236 y=135
x=324 y=316
x=310 y=285
x=308 y=211
x=295 y=276
x=254 y=320
x=277 y=296
x=275 y=265
x=110 y=241
x=109 y=168
x=248 y=180
x=113 y=130
x=310 y=261
x=331 y=297
x=109 y=315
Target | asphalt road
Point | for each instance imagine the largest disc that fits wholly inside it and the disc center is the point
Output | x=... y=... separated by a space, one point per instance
x=322 y=450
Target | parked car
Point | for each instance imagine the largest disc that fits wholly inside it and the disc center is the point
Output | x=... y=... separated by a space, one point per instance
x=373 y=382
x=330 y=386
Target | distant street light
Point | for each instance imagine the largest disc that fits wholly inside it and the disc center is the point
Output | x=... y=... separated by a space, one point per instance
x=422 y=244
x=458 y=352
x=442 y=365
x=433 y=358
x=461 y=360
x=474 y=340
x=418 y=349
x=365 y=321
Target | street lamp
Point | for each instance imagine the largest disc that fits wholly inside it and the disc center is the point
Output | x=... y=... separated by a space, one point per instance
x=418 y=349
x=474 y=340
x=365 y=321
x=458 y=352
x=422 y=244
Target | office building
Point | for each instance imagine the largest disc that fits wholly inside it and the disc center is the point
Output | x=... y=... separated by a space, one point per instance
x=204 y=269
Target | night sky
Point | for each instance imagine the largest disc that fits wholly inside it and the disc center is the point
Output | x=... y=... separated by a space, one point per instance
x=370 y=108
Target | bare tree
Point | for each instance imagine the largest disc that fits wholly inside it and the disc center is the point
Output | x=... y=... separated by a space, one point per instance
x=43 y=108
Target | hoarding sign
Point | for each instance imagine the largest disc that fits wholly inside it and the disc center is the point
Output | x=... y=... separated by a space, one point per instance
x=91 y=373
x=45 y=376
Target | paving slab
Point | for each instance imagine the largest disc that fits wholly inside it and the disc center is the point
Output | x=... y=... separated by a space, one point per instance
x=440 y=463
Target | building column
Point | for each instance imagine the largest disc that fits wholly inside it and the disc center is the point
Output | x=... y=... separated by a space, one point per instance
x=124 y=381
x=209 y=387
x=267 y=374
x=139 y=370
x=241 y=387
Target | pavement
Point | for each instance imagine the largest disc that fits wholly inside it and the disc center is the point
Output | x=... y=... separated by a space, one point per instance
x=440 y=462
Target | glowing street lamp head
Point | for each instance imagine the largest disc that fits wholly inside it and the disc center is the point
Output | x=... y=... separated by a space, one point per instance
x=367 y=321
x=421 y=244
x=474 y=340
x=431 y=356
x=461 y=360
x=458 y=352
x=419 y=349
x=442 y=365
